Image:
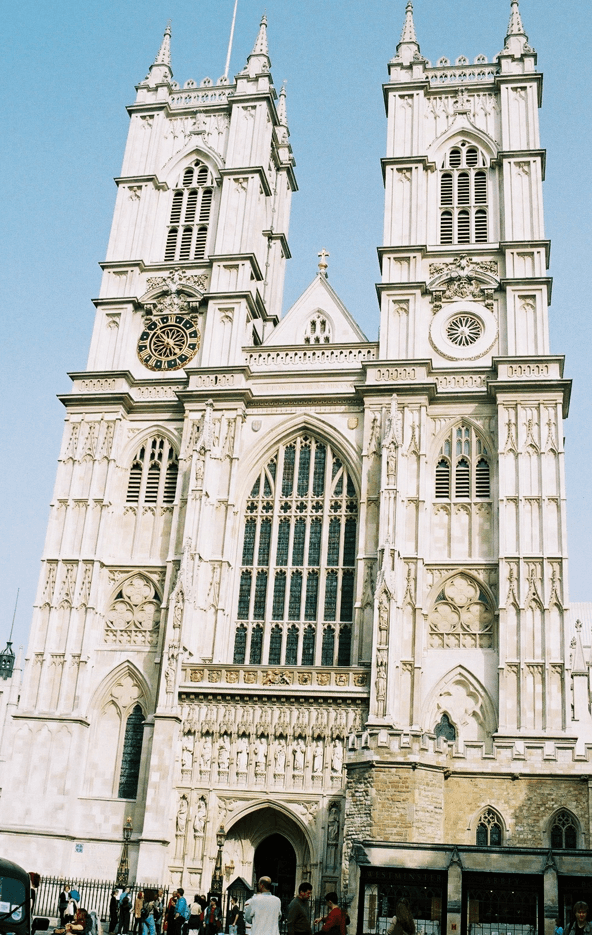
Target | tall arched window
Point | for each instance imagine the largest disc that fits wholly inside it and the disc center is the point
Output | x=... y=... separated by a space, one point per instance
x=153 y=474
x=564 y=831
x=489 y=829
x=131 y=755
x=191 y=211
x=464 y=196
x=296 y=586
x=463 y=469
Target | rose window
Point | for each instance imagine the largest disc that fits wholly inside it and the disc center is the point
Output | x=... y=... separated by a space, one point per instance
x=462 y=617
x=464 y=330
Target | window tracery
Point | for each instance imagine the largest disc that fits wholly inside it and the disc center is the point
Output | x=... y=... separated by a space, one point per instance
x=464 y=196
x=318 y=330
x=134 y=615
x=296 y=586
x=489 y=829
x=463 y=470
x=462 y=616
x=153 y=474
x=190 y=216
x=564 y=831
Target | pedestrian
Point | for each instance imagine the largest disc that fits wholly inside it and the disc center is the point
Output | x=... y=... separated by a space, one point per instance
x=125 y=908
x=235 y=918
x=113 y=911
x=299 y=913
x=195 y=914
x=170 y=913
x=580 y=924
x=71 y=907
x=63 y=900
x=157 y=911
x=213 y=918
x=264 y=910
x=138 y=904
x=181 y=913
x=402 y=922
x=558 y=927
x=336 y=920
x=147 y=924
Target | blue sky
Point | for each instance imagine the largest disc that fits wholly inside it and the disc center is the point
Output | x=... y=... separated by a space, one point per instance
x=70 y=69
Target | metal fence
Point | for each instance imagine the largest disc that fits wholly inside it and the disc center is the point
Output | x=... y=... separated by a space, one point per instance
x=94 y=894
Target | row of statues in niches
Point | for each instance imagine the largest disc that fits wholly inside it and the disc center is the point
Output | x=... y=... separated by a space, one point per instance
x=258 y=753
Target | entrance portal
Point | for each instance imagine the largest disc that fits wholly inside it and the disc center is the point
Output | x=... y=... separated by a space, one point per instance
x=276 y=858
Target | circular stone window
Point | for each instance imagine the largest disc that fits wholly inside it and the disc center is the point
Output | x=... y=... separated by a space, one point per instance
x=463 y=331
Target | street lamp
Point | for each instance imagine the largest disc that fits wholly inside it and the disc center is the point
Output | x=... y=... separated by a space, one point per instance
x=123 y=868
x=217 y=881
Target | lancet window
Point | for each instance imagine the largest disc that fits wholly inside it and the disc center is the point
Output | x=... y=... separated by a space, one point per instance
x=463 y=467
x=564 y=831
x=153 y=474
x=191 y=210
x=296 y=587
x=464 y=196
x=318 y=330
x=489 y=829
x=132 y=754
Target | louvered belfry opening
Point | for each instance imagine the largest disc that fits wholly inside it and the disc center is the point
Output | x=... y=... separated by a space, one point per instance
x=463 y=196
x=153 y=473
x=191 y=210
x=296 y=587
x=463 y=468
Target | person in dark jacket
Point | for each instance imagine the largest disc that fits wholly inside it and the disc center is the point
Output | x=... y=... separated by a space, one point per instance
x=63 y=900
x=125 y=908
x=298 y=911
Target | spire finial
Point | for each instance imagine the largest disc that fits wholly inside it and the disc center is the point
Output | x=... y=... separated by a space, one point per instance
x=408 y=33
x=281 y=108
x=516 y=39
x=515 y=27
x=408 y=47
x=323 y=255
x=261 y=47
x=164 y=53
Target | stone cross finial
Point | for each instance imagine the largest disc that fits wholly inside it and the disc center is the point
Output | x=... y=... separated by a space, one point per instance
x=323 y=260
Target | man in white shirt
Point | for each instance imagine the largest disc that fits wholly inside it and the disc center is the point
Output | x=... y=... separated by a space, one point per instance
x=264 y=910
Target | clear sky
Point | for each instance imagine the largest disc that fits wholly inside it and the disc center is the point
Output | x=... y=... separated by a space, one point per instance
x=70 y=67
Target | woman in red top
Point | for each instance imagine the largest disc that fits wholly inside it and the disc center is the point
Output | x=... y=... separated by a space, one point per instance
x=335 y=922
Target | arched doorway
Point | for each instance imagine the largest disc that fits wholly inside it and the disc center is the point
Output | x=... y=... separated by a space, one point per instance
x=276 y=858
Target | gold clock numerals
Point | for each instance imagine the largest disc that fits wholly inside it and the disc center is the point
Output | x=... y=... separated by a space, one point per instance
x=168 y=342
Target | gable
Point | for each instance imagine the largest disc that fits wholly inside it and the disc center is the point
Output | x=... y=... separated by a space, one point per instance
x=317 y=317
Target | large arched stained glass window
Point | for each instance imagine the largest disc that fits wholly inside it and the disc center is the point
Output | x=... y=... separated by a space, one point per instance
x=296 y=589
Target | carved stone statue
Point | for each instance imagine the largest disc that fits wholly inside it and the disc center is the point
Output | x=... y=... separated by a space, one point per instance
x=224 y=753
x=383 y=619
x=182 y=810
x=187 y=754
x=381 y=685
x=199 y=821
x=242 y=755
x=299 y=751
x=205 y=762
x=280 y=757
x=333 y=825
x=337 y=757
x=260 y=754
x=317 y=757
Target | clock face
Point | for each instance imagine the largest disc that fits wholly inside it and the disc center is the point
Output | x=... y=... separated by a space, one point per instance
x=168 y=342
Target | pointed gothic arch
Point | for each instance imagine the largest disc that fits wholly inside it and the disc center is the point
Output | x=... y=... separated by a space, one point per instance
x=488 y=827
x=117 y=712
x=465 y=701
x=296 y=555
x=563 y=830
x=456 y=134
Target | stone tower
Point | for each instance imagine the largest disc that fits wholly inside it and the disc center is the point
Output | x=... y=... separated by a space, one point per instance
x=298 y=585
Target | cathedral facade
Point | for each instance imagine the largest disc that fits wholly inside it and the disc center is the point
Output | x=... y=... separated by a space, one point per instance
x=303 y=586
